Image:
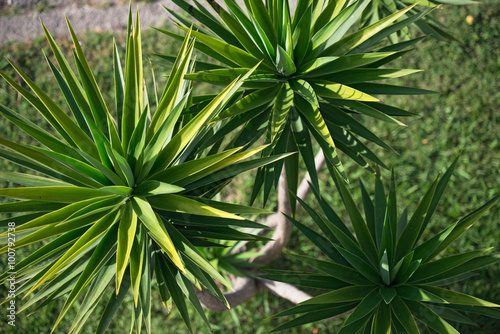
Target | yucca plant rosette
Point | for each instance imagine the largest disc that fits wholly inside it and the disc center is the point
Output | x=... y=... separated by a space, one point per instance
x=317 y=73
x=382 y=274
x=120 y=204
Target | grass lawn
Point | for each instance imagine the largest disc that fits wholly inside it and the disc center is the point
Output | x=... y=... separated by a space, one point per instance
x=463 y=118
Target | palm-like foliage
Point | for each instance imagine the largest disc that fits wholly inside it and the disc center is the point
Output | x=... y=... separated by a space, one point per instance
x=316 y=73
x=120 y=202
x=382 y=272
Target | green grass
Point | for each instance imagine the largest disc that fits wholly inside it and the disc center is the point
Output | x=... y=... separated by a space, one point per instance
x=463 y=118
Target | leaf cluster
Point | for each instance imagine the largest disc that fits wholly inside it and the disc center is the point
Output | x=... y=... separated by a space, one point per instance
x=318 y=72
x=120 y=201
x=380 y=273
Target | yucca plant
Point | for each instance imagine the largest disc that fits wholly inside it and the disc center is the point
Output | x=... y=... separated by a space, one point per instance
x=391 y=282
x=316 y=76
x=120 y=203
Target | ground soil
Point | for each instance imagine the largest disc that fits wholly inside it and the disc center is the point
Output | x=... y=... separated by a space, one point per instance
x=20 y=19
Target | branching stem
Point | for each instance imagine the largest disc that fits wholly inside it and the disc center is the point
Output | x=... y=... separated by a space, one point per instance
x=247 y=287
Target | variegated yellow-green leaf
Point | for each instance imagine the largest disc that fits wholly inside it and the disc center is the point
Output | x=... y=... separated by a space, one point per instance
x=318 y=49
x=107 y=195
